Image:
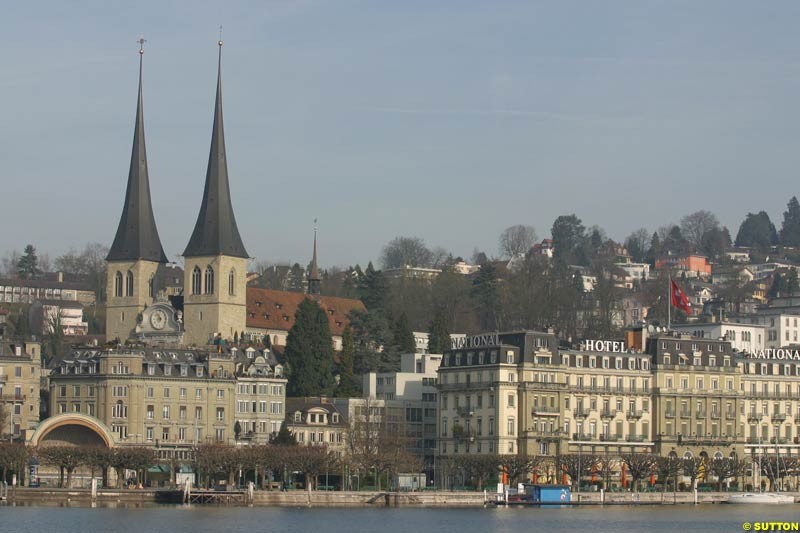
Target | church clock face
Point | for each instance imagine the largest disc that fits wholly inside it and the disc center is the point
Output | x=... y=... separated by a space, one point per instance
x=158 y=319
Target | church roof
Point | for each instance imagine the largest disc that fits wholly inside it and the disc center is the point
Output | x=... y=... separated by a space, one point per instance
x=215 y=232
x=137 y=235
x=274 y=310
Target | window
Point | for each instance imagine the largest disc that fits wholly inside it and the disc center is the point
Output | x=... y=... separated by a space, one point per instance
x=196 y=280
x=149 y=433
x=511 y=426
x=164 y=433
x=150 y=412
x=209 y=285
x=118 y=284
x=220 y=413
x=129 y=283
x=220 y=394
x=232 y=282
x=511 y=400
x=150 y=392
x=165 y=412
x=198 y=413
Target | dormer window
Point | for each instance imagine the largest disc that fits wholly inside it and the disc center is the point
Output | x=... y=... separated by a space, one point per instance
x=298 y=416
x=184 y=370
x=151 y=370
x=199 y=371
x=335 y=417
x=167 y=370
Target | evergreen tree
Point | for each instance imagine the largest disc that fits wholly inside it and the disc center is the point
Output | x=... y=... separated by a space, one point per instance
x=757 y=231
x=371 y=333
x=267 y=341
x=403 y=336
x=297 y=278
x=349 y=384
x=309 y=352
x=569 y=240
x=28 y=264
x=373 y=288
x=778 y=286
x=655 y=249
x=486 y=295
x=284 y=437
x=438 y=335
x=790 y=231
x=792 y=284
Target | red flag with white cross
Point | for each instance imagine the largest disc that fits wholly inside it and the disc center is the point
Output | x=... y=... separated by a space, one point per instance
x=678 y=299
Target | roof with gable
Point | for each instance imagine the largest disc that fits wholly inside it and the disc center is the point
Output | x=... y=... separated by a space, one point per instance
x=275 y=310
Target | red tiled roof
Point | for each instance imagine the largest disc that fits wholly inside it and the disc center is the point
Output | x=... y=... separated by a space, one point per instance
x=269 y=309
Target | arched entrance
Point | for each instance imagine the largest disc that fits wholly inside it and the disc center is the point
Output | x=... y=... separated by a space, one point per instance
x=72 y=429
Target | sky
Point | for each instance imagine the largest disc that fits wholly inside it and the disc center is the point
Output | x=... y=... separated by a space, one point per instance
x=446 y=120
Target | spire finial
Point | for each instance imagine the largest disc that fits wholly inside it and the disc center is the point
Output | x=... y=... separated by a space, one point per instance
x=141 y=42
x=220 y=36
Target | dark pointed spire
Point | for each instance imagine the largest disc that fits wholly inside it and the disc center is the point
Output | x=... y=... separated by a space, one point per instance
x=215 y=232
x=313 y=277
x=137 y=235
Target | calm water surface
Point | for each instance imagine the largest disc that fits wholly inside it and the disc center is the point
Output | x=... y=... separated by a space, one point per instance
x=178 y=519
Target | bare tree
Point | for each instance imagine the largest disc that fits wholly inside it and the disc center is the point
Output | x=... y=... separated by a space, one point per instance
x=406 y=251
x=638 y=244
x=639 y=465
x=691 y=468
x=723 y=468
x=516 y=240
x=577 y=466
x=666 y=468
x=697 y=224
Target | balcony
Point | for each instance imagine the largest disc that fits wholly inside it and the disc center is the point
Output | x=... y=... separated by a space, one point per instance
x=778 y=417
x=545 y=435
x=461 y=433
x=633 y=415
x=700 y=413
x=543 y=410
x=708 y=440
x=465 y=412
x=730 y=415
x=608 y=413
x=580 y=412
x=669 y=414
x=716 y=414
x=609 y=438
x=754 y=417
x=686 y=414
x=583 y=436
x=636 y=438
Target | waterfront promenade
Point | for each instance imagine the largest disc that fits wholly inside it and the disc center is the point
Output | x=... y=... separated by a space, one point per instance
x=300 y=498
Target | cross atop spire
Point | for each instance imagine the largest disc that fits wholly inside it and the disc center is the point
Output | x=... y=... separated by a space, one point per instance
x=137 y=235
x=313 y=276
x=215 y=232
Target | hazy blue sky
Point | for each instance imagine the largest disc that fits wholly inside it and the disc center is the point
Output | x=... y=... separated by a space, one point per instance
x=446 y=120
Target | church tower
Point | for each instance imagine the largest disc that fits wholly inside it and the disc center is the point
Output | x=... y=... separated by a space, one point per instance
x=136 y=252
x=215 y=267
x=313 y=276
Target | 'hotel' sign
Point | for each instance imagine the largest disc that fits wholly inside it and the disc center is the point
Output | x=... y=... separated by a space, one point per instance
x=603 y=346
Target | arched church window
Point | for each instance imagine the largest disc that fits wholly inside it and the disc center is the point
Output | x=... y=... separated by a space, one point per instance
x=129 y=283
x=232 y=282
x=196 y=281
x=118 y=284
x=209 y=280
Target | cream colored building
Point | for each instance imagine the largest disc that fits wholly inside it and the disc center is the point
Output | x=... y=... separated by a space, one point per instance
x=172 y=397
x=698 y=397
x=20 y=368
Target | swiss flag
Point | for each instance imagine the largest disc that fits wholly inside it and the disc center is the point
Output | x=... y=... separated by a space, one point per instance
x=678 y=298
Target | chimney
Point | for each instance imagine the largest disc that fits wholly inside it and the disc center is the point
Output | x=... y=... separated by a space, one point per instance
x=60 y=276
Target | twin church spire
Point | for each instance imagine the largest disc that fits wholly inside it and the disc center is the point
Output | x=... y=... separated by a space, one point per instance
x=137 y=235
x=215 y=232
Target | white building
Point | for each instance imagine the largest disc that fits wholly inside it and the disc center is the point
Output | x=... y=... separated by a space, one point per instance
x=46 y=314
x=743 y=337
x=783 y=329
x=636 y=271
x=412 y=392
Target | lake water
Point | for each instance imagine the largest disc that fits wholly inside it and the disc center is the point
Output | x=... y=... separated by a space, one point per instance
x=176 y=519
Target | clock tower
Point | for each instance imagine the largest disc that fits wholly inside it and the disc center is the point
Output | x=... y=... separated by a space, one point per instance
x=136 y=252
x=215 y=260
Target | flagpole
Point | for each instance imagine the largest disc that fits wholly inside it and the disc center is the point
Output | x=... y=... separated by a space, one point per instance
x=669 y=302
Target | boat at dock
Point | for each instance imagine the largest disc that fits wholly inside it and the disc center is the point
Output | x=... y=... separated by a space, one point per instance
x=761 y=498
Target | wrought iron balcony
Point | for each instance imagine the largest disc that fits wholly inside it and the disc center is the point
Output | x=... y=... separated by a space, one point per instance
x=778 y=417
x=636 y=438
x=633 y=415
x=580 y=412
x=669 y=414
x=608 y=413
x=543 y=410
